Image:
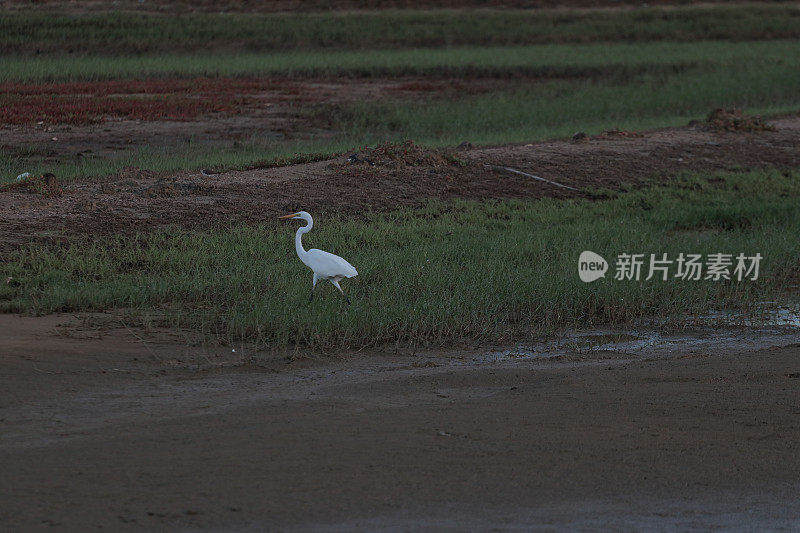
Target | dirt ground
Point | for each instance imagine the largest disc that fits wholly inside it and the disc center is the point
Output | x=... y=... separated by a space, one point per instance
x=139 y=200
x=107 y=428
x=183 y=6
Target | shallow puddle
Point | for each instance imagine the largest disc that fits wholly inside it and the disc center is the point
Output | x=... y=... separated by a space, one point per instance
x=714 y=332
x=784 y=316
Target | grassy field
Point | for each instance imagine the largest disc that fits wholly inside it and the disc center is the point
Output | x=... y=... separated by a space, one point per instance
x=557 y=108
x=254 y=153
x=494 y=271
x=578 y=88
x=544 y=61
x=542 y=91
x=31 y=33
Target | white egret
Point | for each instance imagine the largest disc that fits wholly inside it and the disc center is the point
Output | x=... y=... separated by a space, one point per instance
x=326 y=266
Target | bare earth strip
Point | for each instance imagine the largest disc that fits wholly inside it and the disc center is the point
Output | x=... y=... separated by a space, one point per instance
x=172 y=6
x=140 y=201
x=101 y=429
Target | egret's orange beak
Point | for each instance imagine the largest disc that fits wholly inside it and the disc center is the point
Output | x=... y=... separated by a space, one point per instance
x=291 y=215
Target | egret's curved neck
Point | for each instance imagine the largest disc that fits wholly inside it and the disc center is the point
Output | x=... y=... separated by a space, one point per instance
x=298 y=243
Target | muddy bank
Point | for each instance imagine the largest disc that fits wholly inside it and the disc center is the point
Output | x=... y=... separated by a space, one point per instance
x=107 y=428
x=140 y=200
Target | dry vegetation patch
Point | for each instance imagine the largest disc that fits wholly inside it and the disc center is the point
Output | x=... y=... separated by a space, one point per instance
x=722 y=119
x=405 y=154
x=45 y=184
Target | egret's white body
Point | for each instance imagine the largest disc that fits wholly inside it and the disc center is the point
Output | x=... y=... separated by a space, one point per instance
x=325 y=265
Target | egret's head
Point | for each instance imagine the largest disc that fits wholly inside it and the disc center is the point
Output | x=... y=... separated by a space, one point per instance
x=303 y=215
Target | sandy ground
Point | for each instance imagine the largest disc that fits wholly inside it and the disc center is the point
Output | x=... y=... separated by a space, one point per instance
x=104 y=428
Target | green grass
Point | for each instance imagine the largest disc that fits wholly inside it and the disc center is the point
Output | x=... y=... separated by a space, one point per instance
x=551 y=60
x=255 y=153
x=763 y=78
x=30 y=32
x=493 y=271
x=559 y=108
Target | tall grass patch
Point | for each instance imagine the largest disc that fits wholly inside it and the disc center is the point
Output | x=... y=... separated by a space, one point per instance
x=30 y=32
x=468 y=61
x=556 y=108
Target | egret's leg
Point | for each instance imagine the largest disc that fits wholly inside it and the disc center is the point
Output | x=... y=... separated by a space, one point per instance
x=313 y=286
x=336 y=284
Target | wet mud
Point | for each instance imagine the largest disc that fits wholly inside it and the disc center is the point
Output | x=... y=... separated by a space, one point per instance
x=109 y=427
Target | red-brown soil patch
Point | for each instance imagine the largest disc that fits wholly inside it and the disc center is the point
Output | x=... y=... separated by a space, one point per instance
x=139 y=201
x=172 y=99
x=90 y=110
x=209 y=112
x=82 y=103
